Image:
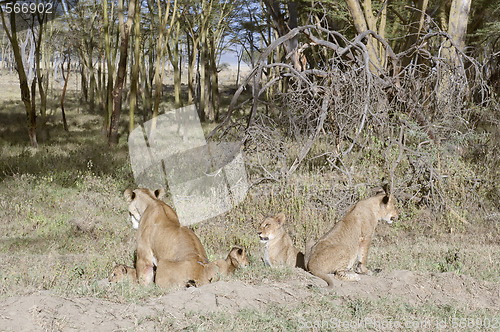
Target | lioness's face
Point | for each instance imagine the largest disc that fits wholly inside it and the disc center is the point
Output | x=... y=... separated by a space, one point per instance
x=239 y=257
x=389 y=209
x=138 y=202
x=269 y=227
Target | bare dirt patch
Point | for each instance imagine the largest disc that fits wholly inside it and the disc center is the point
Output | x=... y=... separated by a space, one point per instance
x=45 y=310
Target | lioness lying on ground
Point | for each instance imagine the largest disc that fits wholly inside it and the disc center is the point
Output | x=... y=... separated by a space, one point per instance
x=278 y=249
x=121 y=272
x=162 y=241
x=347 y=243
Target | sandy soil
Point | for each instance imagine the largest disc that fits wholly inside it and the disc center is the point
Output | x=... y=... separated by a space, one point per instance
x=46 y=311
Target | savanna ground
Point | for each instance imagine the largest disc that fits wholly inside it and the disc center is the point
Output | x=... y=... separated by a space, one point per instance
x=63 y=224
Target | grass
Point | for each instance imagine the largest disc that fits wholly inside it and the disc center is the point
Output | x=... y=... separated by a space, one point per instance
x=321 y=312
x=64 y=223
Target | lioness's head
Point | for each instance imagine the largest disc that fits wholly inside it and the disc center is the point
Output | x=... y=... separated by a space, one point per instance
x=388 y=209
x=270 y=227
x=238 y=257
x=138 y=201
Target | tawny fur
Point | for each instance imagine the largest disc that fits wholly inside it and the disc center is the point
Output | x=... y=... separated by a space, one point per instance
x=160 y=237
x=236 y=258
x=278 y=246
x=346 y=245
x=172 y=273
x=122 y=272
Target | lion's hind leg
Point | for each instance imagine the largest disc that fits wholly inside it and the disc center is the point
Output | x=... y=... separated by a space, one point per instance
x=145 y=272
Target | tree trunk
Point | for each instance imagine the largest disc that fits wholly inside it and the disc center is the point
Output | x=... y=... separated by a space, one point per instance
x=361 y=26
x=134 y=75
x=214 y=83
x=108 y=95
x=174 y=55
x=457 y=29
x=122 y=69
x=39 y=79
x=23 y=80
x=163 y=37
x=192 y=51
x=203 y=59
x=63 y=95
x=415 y=30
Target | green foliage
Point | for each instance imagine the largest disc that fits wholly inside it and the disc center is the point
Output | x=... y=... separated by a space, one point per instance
x=450 y=262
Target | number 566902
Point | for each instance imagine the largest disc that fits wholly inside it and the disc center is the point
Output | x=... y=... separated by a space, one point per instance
x=28 y=8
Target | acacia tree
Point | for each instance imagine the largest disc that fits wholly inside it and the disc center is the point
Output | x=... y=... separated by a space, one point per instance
x=364 y=21
x=457 y=29
x=134 y=71
x=122 y=67
x=174 y=54
x=11 y=32
x=163 y=37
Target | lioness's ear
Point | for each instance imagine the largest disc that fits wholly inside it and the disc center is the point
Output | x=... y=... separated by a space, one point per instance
x=160 y=193
x=280 y=218
x=129 y=195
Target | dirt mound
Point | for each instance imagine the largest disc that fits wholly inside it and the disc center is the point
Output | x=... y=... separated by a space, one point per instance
x=414 y=287
x=47 y=311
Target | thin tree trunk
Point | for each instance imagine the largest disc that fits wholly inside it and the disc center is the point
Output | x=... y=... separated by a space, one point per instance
x=122 y=68
x=23 y=80
x=163 y=37
x=108 y=96
x=39 y=78
x=134 y=79
x=214 y=83
x=203 y=59
x=63 y=95
x=361 y=26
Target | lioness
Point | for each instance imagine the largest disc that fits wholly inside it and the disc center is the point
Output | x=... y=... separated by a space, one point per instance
x=278 y=249
x=121 y=272
x=236 y=258
x=160 y=237
x=348 y=241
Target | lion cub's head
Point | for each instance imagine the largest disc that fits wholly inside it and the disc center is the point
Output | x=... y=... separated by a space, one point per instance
x=138 y=201
x=119 y=273
x=271 y=227
x=388 y=209
x=238 y=257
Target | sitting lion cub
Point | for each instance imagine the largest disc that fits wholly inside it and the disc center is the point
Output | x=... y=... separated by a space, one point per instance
x=279 y=249
x=121 y=272
x=348 y=241
x=236 y=258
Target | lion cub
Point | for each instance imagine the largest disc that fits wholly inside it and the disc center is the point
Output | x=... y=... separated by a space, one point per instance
x=236 y=258
x=121 y=272
x=278 y=249
x=347 y=243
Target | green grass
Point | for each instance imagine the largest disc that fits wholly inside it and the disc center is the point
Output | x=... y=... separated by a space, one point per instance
x=63 y=224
